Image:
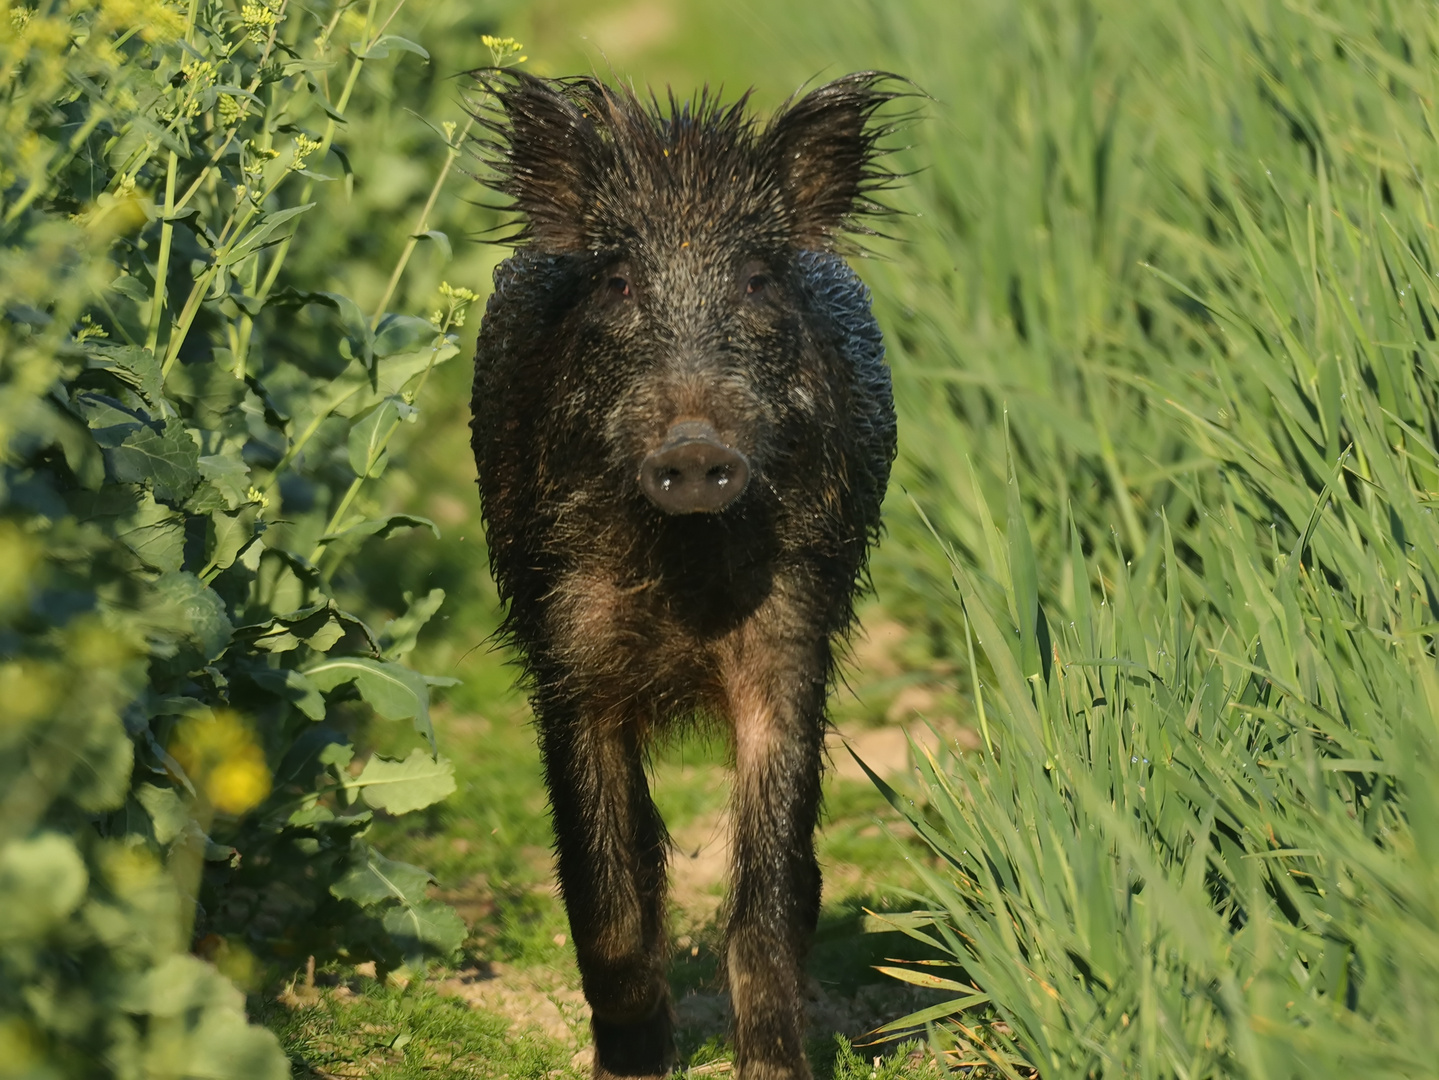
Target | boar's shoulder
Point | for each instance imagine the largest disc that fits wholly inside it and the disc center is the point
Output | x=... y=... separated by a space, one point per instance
x=841 y=306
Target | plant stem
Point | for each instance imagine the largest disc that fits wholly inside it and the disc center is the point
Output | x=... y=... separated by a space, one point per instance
x=305 y=436
x=202 y=284
x=162 y=264
x=419 y=229
x=247 y=322
x=340 y=511
x=354 y=488
x=42 y=183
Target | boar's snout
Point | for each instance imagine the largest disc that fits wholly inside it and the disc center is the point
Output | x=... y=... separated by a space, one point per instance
x=694 y=472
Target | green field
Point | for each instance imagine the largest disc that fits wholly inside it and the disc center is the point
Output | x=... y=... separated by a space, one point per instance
x=1147 y=684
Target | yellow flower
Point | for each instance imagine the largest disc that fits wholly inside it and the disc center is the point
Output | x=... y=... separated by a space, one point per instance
x=455 y=304
x=304 y=147
x=259 y=20
x=91 y=644
x=239 y=784
x=155 y=20
x=232 y=109
x=458 y=293
x=89 y=330
x=200 y=73
x=219 y=753
x=22 y=1048
x=130 y=870
x=503 y=49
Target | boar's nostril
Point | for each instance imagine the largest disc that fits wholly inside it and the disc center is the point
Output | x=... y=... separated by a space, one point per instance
x=693 y=472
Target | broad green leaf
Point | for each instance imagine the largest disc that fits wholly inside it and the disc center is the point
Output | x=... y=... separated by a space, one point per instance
x=370 y=435
x=380 y=527
x=395 y=692
x=357 y=331
x=376 y=879
x=426 y=927
x=133 y=365
x=109 y=419
x=381 y=46
x=355 y=391
x=230 y=474
x=319 y=626
x=261 y=234
x=167 y=460
x=168 y=814
x=338 y=755
x=442 y=241
x=294 y=687
x=153 y=532
x=398 y=335
x=398 y=636
x=399 y=787
x=129 y=286
x=201 y=612
x=325 y=638
x=232 y=534
x=42 y=880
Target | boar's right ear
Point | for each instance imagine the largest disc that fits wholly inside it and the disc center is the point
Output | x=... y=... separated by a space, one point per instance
x=545 y=148
x=822 y=151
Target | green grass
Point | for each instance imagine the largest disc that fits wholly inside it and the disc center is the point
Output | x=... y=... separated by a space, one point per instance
x=393 y=1033
x=1166 y=367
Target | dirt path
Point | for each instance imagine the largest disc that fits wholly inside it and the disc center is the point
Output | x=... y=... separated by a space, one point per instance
x=548 y=998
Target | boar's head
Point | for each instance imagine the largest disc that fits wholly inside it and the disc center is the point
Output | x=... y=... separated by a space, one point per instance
x=677 y=296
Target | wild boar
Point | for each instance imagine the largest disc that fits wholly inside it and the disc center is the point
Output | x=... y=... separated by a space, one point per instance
x=683 y=427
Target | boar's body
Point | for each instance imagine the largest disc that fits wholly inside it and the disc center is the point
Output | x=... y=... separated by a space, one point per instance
x=675 y=314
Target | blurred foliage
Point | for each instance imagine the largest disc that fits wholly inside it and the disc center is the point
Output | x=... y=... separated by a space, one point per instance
x=193 y=415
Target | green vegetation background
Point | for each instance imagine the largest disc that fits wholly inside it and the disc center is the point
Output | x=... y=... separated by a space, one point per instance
x=1161 y=318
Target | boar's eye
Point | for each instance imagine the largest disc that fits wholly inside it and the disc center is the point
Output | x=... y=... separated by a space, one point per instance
x=619 y=287
x=756 y=278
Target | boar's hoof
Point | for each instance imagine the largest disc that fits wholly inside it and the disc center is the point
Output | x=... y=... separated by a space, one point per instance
x=693 y=472
x=636 y=1050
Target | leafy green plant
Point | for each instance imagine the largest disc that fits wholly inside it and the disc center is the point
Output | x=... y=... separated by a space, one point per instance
x=187 y=433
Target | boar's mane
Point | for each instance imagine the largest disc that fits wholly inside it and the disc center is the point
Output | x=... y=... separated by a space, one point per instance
x=580 y=159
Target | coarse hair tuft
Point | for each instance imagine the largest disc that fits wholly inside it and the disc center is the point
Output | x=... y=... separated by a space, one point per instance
x=585 y=163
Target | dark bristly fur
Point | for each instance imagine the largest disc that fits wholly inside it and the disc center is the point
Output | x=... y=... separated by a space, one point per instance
x=681 y=264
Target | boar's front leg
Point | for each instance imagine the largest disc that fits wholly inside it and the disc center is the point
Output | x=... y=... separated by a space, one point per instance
x=775 y=685
x=612 y=847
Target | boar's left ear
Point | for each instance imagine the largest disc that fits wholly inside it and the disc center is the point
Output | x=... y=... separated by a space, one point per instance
x=822 y=150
